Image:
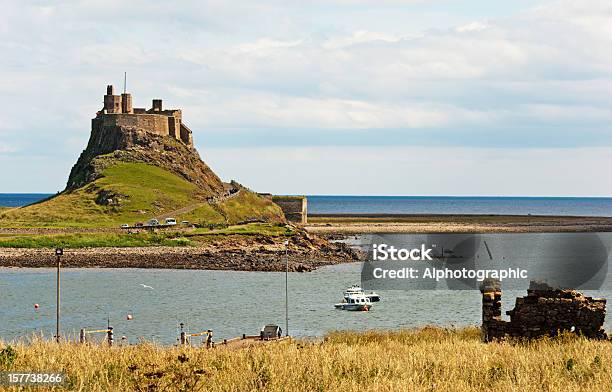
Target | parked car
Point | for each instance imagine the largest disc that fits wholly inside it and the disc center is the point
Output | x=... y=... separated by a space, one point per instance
x=170 y=221
x=125 y=226
x=138 y=224
x=153 y=222
x=186 y=223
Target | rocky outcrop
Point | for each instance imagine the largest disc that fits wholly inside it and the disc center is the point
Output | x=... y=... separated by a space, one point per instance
x=111 y=144
x=238 y=253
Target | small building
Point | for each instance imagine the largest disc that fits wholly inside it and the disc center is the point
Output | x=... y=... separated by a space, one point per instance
x=295 y=208
x=270 y=331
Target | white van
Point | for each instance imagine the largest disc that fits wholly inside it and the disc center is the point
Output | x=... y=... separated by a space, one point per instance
x=170 y=221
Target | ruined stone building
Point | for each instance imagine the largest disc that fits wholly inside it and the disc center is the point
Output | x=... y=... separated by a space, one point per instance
x=118 y=111
x=544 y=311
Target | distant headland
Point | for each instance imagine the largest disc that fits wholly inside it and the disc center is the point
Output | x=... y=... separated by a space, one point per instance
x=140 y=183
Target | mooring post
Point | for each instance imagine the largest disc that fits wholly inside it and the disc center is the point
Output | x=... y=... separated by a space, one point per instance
x=110 y=336
x=82 y=336
x=209 y=342
x=183 y=335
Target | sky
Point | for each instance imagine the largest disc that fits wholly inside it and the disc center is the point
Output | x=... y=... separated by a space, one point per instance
x=362 y=97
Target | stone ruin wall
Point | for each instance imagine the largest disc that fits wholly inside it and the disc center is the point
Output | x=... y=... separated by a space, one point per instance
x=545 y=311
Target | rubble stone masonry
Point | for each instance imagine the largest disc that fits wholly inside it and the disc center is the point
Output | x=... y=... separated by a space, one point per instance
x=545 y=311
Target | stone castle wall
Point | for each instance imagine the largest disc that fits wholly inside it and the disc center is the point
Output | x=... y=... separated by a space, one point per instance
x=159 y=124
x=118 y=112
x=153 y=123
x=545 y=311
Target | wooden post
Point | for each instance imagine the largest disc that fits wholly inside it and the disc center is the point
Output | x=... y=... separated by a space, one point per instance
x=209 y=341
x=110 y=336
x=183 y=338
x=82 y=336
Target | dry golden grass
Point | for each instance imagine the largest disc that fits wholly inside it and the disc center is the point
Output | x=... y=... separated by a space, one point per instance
x=425 y=360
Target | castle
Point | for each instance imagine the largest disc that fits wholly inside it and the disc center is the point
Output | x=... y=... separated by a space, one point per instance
x=118 y=111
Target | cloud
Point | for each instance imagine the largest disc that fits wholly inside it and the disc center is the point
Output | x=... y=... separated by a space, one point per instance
x=406 y=73
x=405 y=170
x=7 y=148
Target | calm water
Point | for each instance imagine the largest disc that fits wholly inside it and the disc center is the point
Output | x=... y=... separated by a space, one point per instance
x=460 y=205
x=21 y=199
x=577 y=206
x=232 y=303
x=228 y=302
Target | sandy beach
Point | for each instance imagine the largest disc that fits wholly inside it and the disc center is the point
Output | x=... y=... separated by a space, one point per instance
x=381 y=223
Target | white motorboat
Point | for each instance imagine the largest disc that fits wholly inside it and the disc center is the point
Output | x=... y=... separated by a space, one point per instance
x=356 y=289
x=354 y=301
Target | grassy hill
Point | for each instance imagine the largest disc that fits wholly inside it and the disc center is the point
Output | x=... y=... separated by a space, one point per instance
x=129 y=192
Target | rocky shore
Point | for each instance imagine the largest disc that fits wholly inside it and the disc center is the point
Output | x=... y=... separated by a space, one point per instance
x=240 y=253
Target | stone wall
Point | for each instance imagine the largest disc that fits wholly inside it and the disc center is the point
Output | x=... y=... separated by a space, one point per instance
x=185 y=135
x=493 y=327
x=544 y=311
x=153 y=123
x=295 y=208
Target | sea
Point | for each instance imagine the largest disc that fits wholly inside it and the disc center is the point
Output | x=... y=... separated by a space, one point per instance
x=562 y=206
x=232 y=303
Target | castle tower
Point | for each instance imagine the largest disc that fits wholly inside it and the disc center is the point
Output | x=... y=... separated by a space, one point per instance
x=126 y=103
x=112 y=103
x=156 y=105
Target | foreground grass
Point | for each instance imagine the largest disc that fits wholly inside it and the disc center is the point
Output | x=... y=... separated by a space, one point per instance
x=160 y=238
x=425 y=360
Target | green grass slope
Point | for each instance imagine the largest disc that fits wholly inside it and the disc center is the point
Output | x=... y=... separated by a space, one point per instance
x=137 y=192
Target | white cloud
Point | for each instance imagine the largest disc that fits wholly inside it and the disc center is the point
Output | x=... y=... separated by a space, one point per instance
x=281 y=111
x=7 y=148
x=417 y=171
x=544 y=74
x=473 y=26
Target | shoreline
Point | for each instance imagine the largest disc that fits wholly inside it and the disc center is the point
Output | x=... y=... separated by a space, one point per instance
x=326 y=224
x=200 y=258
